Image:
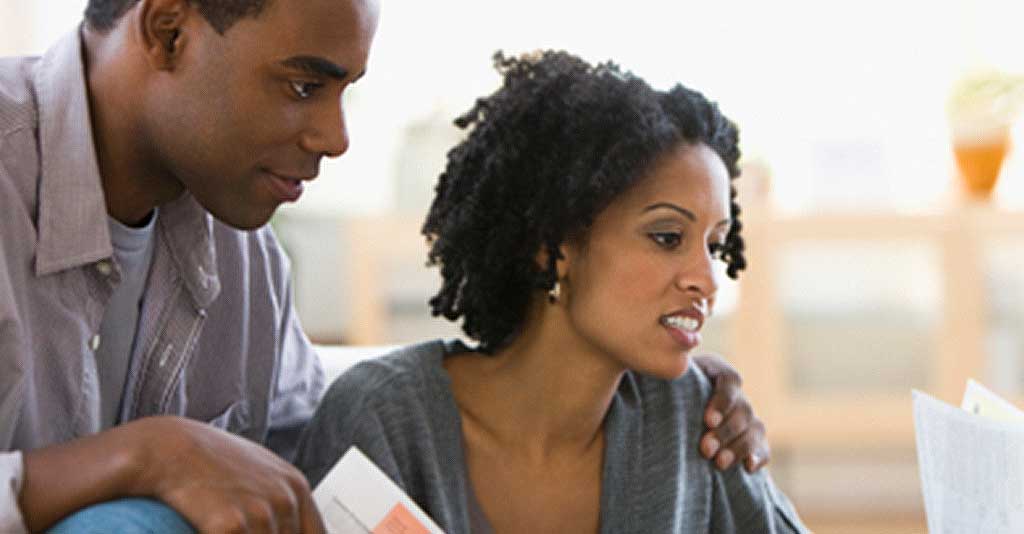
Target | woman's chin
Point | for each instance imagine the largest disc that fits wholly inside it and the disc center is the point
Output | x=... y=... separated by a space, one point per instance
x=668 y=368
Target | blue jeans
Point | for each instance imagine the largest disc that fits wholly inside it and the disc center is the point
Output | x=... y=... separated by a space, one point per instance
x=124 y=516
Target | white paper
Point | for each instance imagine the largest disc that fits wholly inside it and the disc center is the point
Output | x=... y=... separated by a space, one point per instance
x=356 y=497
x=980 y=401
x=972 y=469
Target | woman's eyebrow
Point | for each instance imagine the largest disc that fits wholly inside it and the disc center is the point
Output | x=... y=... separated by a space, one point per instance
x=667 y=205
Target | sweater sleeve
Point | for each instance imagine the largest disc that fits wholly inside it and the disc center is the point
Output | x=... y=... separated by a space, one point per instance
x=744 y=502
x=345 y=418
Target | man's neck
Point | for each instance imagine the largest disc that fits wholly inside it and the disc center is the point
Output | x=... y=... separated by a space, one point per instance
x=133 y=183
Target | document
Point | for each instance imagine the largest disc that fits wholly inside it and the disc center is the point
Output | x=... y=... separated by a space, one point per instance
x=971 y=461
x=356 y=497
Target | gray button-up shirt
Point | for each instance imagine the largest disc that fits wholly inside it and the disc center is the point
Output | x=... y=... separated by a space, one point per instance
x=218 y=339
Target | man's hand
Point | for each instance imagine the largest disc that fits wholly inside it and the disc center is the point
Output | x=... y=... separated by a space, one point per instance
x=224 y=483
x=734 y=432
x=217 y=481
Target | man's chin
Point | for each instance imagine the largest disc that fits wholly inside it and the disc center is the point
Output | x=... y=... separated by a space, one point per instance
x=252 y=220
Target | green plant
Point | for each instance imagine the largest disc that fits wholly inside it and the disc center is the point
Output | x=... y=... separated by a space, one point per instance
x=987 y=96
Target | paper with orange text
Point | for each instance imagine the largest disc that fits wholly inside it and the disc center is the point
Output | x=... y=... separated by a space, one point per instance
x=356 y=497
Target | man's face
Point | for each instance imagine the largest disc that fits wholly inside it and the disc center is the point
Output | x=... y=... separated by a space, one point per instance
x=244 y=117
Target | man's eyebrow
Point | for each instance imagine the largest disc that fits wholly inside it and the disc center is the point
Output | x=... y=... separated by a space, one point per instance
x=685 y=212
x=316 y=66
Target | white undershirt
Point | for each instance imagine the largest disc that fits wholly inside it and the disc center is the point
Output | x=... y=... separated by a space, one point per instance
x=133 y=253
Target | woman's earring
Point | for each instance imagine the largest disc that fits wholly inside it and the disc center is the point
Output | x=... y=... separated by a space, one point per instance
x=554 y=293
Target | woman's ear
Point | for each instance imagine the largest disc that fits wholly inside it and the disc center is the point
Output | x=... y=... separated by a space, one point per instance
x=161 y=30
x=562 y=263
x=568 y=252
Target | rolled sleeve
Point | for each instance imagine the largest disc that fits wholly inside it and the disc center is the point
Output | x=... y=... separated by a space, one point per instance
x=11 y=473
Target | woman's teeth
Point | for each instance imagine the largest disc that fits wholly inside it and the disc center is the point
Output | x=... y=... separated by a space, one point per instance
x=688 y=324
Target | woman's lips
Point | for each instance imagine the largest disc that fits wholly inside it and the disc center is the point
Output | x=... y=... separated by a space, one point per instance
x=684 y=329
x=687 y=340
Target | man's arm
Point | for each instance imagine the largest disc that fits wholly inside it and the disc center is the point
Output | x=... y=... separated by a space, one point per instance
x=219 y=482
x=300 y=378
x=735 y=432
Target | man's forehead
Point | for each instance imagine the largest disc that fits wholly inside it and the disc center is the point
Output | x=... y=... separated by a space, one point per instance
x=322 y=18
x=330 y=38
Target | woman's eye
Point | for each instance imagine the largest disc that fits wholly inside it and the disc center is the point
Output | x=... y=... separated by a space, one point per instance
x=304 y=90
x=667 y=240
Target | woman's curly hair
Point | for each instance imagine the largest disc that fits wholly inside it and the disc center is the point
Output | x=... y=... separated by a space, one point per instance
x=545 y=154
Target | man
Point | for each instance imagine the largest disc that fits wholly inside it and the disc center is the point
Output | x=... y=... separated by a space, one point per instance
x=141 y=295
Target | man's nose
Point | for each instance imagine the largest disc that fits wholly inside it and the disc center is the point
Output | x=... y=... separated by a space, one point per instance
x=327 y=134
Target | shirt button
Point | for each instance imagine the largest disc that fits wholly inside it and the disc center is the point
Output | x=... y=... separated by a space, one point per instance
x=104 y=268
x=94 y=342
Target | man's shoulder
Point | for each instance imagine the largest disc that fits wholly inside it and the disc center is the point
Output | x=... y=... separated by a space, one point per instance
x=19 y=119
x=18 y=108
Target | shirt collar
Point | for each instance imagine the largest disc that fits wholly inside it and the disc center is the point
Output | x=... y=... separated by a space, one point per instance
x=73 y=227
x=72 y=210
x=188 y=229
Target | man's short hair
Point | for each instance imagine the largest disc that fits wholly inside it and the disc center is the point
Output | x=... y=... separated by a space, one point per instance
x=102 y=15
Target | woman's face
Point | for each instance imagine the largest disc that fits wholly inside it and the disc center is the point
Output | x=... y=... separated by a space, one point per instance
x=640 y=286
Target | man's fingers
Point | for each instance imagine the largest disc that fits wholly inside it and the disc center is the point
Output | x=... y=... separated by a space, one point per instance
x=750 y=447
x=714 y=366
x=286 y=506
x=230 y=520
x=223 y=483
x=309 y=515
x=735 y=433
x=757 y=460
x=735 y=424
x=726 y=391
x=261 y=517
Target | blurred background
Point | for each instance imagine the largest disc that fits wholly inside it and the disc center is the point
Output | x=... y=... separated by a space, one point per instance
x=884 y=202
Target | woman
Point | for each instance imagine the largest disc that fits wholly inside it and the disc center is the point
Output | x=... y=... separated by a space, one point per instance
x=575 y=229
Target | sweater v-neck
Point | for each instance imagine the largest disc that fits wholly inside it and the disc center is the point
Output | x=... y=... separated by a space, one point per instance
x=623 y=432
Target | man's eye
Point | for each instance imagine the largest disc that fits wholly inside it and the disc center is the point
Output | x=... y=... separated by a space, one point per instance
x=304 y=90
x=667 y=240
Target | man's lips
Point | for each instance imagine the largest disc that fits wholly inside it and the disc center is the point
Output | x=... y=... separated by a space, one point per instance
x=286 y=188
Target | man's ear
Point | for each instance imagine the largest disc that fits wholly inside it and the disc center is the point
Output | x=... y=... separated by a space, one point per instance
x=161 y=28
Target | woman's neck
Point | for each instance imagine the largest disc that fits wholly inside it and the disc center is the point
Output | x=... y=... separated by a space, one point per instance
x=545 y=394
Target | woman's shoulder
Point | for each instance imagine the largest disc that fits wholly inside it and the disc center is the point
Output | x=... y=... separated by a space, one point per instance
x=416 y=365
x=751 y=502
x=693 y=388
x=379 y=405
